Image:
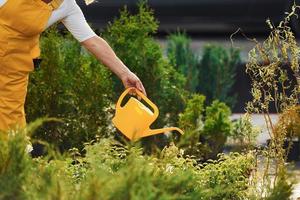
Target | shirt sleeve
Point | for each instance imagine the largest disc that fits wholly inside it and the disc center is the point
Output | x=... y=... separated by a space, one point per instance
x=76 y=23
x=2 y=2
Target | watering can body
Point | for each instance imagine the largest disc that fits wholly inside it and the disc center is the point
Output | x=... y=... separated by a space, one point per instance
x=134 y=118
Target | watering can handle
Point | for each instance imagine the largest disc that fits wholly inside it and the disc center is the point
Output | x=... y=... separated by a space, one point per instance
x=154 y=107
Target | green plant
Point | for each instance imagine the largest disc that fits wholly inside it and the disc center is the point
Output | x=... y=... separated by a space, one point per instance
x=14 y=166
x=217 y=127
x=282 y=190
x=183 y=58
x=70 y=85
x=268 y=66
x=207 y=128
x=192 y=117
x=21 y=177
x=191 y=121
x=217 y=72
x=111 y=170
x=244 y=132
x=126 y=174
x=131 y=37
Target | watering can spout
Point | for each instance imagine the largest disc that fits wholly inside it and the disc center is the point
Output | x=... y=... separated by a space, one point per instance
x=150 y=132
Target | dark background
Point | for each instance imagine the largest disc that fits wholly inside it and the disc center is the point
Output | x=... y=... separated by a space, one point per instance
x=199 y=17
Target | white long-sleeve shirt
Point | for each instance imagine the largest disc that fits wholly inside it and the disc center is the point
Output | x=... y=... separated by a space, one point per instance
x=72 y=17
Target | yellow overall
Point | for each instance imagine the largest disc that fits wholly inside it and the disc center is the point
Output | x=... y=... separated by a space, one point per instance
x=21 y=22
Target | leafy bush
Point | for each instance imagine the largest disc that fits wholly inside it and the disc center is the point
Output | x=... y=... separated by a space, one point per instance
x=217 y=72
x=168 y=176
x=207 y=128
x=70 y=85
x=14 y=167
x=131 y=38
x=244 y=132
x=21 y=177
x=213 y=75
x=183 y=58
x=217 y=127
x=191 y=121
x=111 y=170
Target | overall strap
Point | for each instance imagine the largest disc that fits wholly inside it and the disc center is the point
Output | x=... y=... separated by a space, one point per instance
x=54 y=4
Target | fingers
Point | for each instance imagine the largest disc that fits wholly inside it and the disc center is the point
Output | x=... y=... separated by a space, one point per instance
x=141 y=87
x=131 y=92
x=134 y=81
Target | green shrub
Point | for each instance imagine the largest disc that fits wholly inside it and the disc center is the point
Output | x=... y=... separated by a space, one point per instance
x=228 y=177
x=111 y=170
x=14 y=166
x=217 y=127
x=244 y=133
x=70 y=85
x=183 y=58
x=213 y=75
x=217 y=72
x=193 y=113
x=217 y=118
x=191 y=121
x=21 y=177
x=131 y=37
x=207 y=129
x=126 y=174
x=282 y=189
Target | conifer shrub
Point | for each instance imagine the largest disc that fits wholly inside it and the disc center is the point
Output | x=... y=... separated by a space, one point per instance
x=217 y=71
x=131 y=36
x=70 y=85
x=183 y=58
x=207 y=128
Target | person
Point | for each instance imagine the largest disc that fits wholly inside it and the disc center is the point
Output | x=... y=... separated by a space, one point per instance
x=21 y=23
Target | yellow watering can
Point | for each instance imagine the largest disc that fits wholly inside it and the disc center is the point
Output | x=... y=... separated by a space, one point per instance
x=134 y=118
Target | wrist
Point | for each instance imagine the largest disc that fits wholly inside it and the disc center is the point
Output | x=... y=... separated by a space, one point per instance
x=123 y=73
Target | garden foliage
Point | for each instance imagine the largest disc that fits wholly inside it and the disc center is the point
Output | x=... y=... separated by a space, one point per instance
x=268 y=67
x=289 y=122
x=131 y=36
x=217 y=70
x=243 y=131
x=183 y=58
x=111 y=170
x=70 y=85
x=211 y=73
x=207 y=128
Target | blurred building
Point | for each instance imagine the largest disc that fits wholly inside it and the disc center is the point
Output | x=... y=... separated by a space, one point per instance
x=206 y=21
x=211 y=17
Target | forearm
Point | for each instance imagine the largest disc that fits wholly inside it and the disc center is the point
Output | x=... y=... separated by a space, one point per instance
x=104 y=53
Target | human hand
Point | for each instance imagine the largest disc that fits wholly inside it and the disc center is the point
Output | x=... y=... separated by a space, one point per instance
x=129 y=79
